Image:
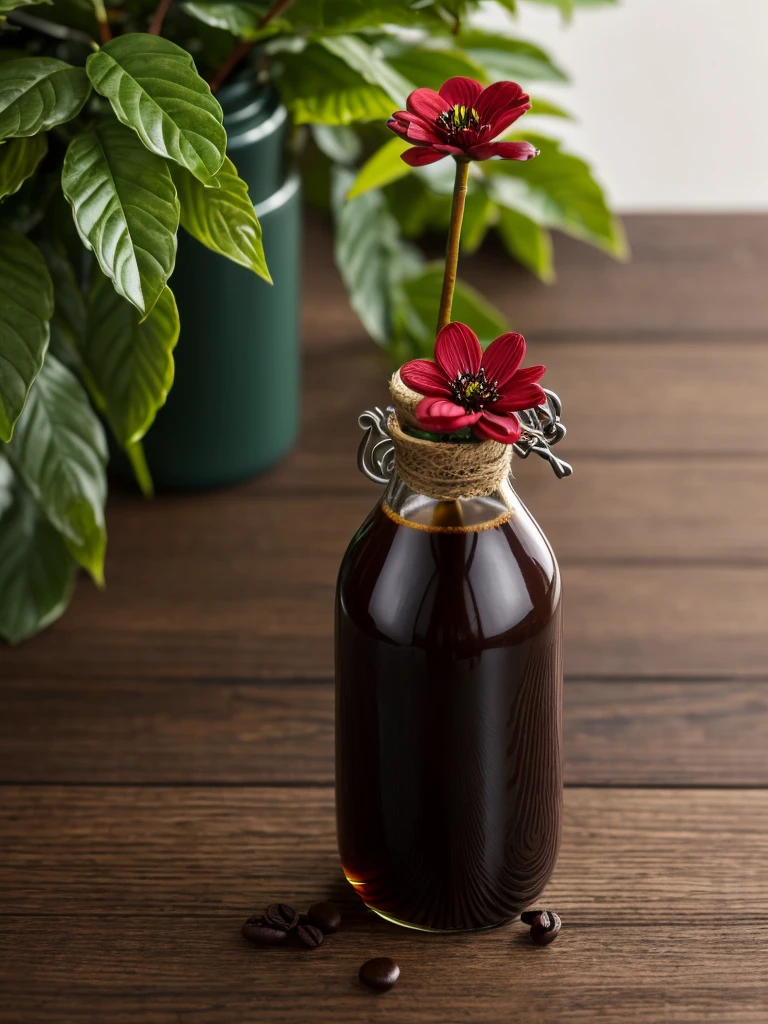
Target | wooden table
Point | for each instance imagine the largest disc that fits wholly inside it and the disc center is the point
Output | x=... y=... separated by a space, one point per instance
x=166 y=749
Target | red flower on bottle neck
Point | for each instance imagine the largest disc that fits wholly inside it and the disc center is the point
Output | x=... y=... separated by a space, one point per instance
x=466 y=387
x=461 y=120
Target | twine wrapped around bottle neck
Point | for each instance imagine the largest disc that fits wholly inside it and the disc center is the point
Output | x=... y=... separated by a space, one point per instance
x=442 y=470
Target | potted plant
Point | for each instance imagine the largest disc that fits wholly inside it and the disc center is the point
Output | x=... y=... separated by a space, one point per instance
x=114 y=126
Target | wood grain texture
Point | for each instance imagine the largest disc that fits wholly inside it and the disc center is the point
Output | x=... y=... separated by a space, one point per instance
x=638 y=856
x=168 y=970
x=664 y=733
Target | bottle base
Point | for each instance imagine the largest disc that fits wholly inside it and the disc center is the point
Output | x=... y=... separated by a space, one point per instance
x=439 y=931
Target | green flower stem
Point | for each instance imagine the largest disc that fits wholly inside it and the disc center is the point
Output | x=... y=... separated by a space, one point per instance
x=101 y=16
x=454 y=240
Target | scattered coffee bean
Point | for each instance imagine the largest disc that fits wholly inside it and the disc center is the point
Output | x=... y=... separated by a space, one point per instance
x=380 y=973
x=257 y=929
x=546 y=929
x=309 y=936
x=281 y=915
x=531 y=916
x=325 y=916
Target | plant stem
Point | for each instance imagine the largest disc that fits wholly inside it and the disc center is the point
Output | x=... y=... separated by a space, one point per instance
x=159 y=17
x=101 y=16
x=50 y=28
x=454 y=240
x=242 y=48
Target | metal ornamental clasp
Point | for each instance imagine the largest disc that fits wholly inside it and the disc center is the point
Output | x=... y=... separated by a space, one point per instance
x=542 y=429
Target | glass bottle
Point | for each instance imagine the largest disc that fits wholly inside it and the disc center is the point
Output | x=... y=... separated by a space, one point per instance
x=448 y=709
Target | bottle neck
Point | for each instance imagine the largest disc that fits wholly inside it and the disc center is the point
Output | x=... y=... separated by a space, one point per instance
x=411 y=508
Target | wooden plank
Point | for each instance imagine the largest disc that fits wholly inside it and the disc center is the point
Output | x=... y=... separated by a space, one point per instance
x=156 y=971
x=699 y=273
x=638 y=856
x=163 y=731
x=264 y=617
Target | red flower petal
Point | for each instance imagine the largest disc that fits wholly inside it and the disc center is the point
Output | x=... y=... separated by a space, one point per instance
x=425 y=377
x=505 y=150
x=443 y=417
x=500 y=105
x=529 y=375
x=524 y=396
x=457 y=350
x=398 y=126
x=420 y=155
x=461 y=91
x=498 y=428
x=426 y=103
x=502 y=358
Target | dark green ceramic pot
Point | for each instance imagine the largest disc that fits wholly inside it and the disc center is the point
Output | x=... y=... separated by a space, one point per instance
x=233 y=410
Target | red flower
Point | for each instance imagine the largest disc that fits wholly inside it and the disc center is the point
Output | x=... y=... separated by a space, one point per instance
x=466 y=387
x=461 y=120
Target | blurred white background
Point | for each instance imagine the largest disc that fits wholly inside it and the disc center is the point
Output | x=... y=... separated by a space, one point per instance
x=671 y=98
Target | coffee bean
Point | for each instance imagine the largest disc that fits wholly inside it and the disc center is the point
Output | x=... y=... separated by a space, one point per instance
x=546 y=929
x=257 y=929
x=325 y=916
x=280 y=915
x=309 y=936
x=380 y=973
x=531 y=916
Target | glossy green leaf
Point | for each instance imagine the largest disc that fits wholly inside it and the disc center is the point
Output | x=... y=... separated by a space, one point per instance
x=349 y=15
x=26 y=307
x=60 y=452
x=557 y=190
x=529 y=243
x=125 y=208
x=128 y=362
x=479 y=213
x=18 y=161
x=155 y=89
x=371 y=257
x=546 y=108
x=6 y=6
x=366 y=61
x=382 y=168
x=241 y=19
x=504 y=58
x=223 y=218
x=339 y=143
x=68 y=321
x=417 y=320
x=319 y=88
x=430 y=68
x=138 y=461
x=37 y=572
x=37 y=93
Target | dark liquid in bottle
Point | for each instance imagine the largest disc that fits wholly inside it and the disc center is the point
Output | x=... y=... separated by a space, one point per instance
x=449 y=682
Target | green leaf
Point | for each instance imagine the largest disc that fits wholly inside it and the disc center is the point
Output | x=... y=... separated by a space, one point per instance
x=59 y=451
x=26 y=306
x=241 y=19
x=18 y=161
x=319 y=88
x=223 y=218
x=68 y=322
x=364 y=59
x=479 y=213
x=6 y=6
x=529 y=243
x=384 y=167
x=430 y=68
x=155 y=89
x=37 y=93
x=128 y=362
x=504 y=58
x=546 y=108
x=138 y=461
x=125 y=208
x=338 y=142
x=37 y=572
x=422 y=300
x=557 y=190
x=349 y=15
x=371 y=257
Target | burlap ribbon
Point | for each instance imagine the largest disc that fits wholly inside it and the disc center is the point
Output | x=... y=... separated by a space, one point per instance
x=443 y=470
